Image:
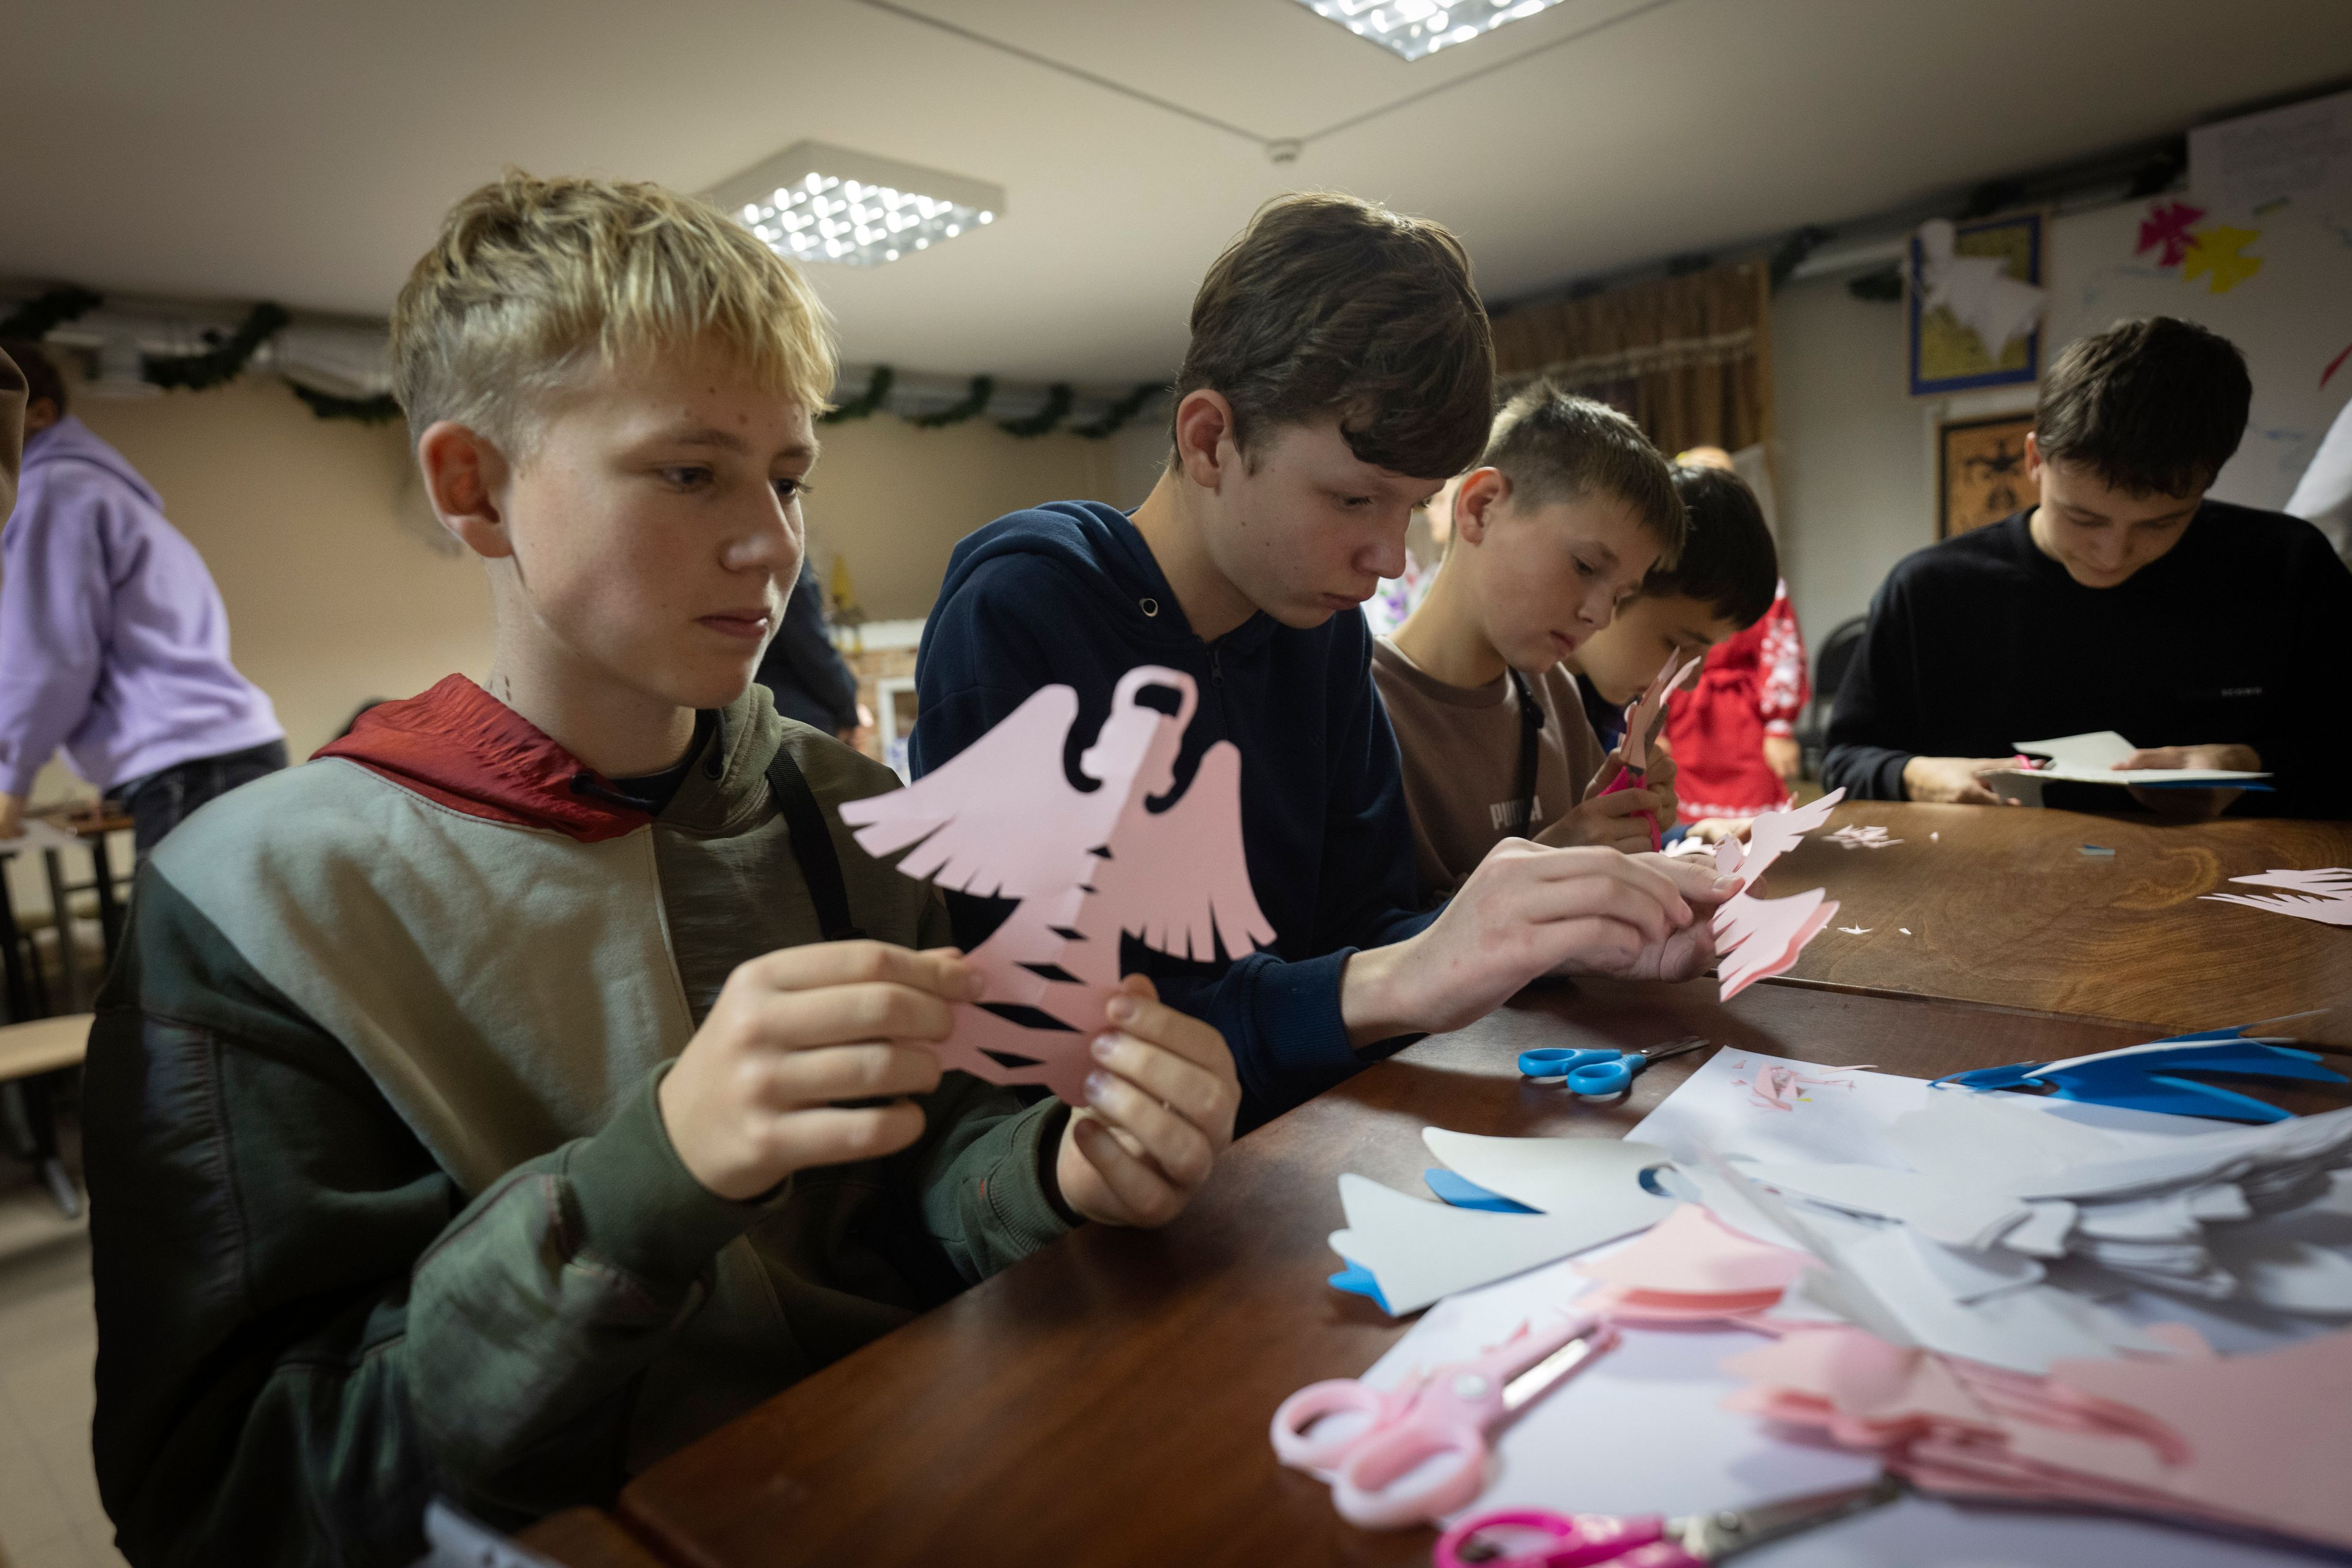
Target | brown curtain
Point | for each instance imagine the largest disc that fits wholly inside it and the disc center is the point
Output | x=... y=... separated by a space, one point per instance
x=1688 y=358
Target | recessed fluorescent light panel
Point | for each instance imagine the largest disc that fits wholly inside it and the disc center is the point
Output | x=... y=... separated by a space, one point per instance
x=815 y=203
x=1417 y=27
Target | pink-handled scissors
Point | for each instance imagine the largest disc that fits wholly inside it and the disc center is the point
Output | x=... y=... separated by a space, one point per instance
x=1642 y=717
x=1531 y=1538
x=1420 y=1450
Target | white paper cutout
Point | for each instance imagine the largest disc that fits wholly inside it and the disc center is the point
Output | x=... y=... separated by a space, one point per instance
x=1858 y=931
x=38 y=833
x=1977 y=289
x=1420 y=1251
x=1853 y=836
x=2323 y=895
x=1002 y=819
x=2091 y=759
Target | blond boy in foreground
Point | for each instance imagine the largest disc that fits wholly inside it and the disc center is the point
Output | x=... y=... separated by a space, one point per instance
x=543 y=1077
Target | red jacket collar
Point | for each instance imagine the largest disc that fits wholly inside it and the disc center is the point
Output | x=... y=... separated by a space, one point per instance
x=461 y=747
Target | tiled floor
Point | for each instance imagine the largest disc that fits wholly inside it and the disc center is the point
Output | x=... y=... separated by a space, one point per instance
x=49 y=1513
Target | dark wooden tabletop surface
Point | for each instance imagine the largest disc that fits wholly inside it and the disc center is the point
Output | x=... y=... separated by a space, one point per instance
x=1106 y=1401
x=2037 y=923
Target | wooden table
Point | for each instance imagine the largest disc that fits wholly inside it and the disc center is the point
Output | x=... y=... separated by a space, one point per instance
x=2003 y=907
x=1106 y=1401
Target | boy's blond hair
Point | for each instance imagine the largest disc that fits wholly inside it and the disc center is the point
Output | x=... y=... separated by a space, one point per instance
x=531 y=277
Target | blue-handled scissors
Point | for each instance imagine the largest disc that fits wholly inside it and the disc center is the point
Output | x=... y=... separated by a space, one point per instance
x=1596 y=1074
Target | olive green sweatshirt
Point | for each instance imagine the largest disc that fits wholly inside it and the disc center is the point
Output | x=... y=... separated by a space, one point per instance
x=383 y=1205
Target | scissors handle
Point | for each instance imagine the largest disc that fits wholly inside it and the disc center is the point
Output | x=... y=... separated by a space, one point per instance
x=1296 y=1418
x=1553 y=1061
x=1563 y=1542
x=1602 y=1079
x=1414 y=1472
x=1630 y=777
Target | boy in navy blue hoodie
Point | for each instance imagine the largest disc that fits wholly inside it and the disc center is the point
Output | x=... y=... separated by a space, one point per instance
x=1340 y=370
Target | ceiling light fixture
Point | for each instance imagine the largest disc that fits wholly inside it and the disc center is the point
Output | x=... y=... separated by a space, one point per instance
x=1417 y=27
x=815 y=203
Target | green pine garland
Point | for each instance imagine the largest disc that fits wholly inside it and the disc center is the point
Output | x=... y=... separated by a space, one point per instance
x=381 y=409
x=223 y=362
x=984 y=387
x=1119 y=415
x=37 y=317
x=863 y=405
x=1058 y=398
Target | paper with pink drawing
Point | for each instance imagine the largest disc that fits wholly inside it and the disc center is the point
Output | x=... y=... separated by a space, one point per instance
x=2324 y=895
x=1002 y=819
x=1759 y=938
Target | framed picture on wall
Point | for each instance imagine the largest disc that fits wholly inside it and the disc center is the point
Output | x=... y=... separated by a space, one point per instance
x=1949 y=352
x=1980 y=471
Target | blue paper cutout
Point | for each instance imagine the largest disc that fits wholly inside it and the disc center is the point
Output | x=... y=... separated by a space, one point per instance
x=1464 y=1194
x=2143 y=1079
x=1357 y=1280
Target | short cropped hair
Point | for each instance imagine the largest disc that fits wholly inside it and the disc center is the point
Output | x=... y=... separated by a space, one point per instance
x=2153 y=406
x=1554 y=446
x=41 y=377
x=1330 y=305
x=1727 y=563
x=533 y=280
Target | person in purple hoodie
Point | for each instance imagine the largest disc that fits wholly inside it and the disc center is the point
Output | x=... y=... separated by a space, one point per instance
x=113 y=640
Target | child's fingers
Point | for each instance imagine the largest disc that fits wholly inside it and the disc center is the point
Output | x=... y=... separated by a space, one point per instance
x=1144 y=1195
x=869 y=1071
x=835 y=1135
x=850 y=1015
x=815 y=965
x=1181 y=1150
x=1152 y=1020
x=1194 y=1092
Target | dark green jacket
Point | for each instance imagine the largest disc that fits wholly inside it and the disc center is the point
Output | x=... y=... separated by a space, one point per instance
x=382 y=1201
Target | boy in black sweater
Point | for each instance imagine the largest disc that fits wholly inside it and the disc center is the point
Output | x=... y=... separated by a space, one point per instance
x=2209 y=634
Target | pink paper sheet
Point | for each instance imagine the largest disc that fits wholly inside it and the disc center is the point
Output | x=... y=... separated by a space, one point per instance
x=1002 y=819
x=1691 y=1268
x=1759 y=938
x=2254 y=1441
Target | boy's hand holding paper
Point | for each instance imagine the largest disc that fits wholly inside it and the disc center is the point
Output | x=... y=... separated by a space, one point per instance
x=1160 y=1110
x=1528 y=911
x=753 y=1097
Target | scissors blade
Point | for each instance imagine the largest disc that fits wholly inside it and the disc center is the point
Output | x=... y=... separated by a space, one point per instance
x=1711 y=1537
x=1532 y=1383
x=1676 y=1047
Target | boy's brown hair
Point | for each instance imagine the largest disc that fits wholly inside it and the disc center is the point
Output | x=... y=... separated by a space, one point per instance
x=1554 y=446
x=2153 y=406
x=531 y=280
x=1330 y=305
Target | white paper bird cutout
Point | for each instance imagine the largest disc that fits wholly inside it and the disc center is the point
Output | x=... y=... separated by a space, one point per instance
x=1002 y=820
x=1977 y=289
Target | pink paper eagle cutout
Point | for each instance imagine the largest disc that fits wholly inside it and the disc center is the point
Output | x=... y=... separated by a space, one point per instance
x=1759 y=938
x=1002 y=820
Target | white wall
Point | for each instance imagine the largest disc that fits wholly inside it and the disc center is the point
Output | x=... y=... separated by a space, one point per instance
x=1856 y=453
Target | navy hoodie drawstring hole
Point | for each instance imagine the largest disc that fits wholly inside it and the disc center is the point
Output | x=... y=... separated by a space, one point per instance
x=1149 y=606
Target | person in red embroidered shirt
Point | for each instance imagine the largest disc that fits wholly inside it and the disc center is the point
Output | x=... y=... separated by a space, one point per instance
x=1718 y=600
x=1734 y=733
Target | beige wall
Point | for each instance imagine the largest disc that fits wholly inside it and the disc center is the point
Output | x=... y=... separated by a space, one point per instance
x=320 y=544
x=893 y=500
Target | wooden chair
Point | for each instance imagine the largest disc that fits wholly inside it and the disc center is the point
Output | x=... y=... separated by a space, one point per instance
x=28 y=1054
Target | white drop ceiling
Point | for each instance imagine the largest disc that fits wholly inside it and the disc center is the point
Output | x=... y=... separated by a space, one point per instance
x=302 y=150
